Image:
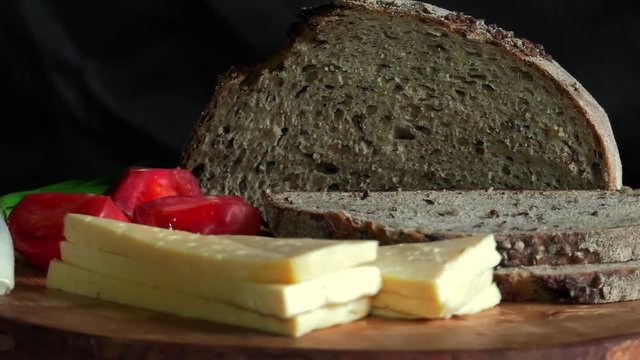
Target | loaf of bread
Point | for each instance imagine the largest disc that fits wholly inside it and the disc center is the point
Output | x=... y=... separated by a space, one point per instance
x=531 y=227
x=386 y=95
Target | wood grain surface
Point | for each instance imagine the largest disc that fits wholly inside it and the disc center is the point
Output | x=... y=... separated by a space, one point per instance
x=46 y=324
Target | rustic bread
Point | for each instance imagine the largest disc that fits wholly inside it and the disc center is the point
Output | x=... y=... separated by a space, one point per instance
x=393 y=95
x=585 y=284
x=530 y=227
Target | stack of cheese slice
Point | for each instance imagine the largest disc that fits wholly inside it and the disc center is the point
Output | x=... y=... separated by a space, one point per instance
x=284 y=286
x=437 y=279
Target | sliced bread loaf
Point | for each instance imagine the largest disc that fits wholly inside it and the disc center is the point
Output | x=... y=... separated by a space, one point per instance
x=585 y=284
x=393 y=95
x=530 y=227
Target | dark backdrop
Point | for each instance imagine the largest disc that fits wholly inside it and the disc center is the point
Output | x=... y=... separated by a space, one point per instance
x=88 y=87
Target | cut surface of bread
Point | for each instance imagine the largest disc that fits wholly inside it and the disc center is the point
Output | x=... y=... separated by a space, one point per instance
x=585 y=284
x=531 y=227
x=386 y=95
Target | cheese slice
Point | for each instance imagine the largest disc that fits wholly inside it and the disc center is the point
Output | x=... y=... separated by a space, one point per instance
x=72 y=279
x=251 y=258
x=435 y=270
x=434 y=308
x=486 y=299
x=282 y=300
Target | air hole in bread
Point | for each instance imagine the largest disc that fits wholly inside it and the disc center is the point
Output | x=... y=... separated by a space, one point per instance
x=435 y=108
x=318 y=42
x=439 y=48
x=488 y=87
x=381 y=67
x=269 y=166
x=402 y=132
x=327 y=168
x=302 y=91
x=198 y=170
x=423 y=129
x=390 y=36
x=478 y=76
x=359 y=121
x=311 y=73
x=414 y=111
x=347 y=101
x=595 y=169
x=463 y=141
x=242 y=185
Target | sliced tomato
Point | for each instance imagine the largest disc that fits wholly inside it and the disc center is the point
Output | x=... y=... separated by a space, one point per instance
x=36 y=222
x=139 y=185
x=212 y=215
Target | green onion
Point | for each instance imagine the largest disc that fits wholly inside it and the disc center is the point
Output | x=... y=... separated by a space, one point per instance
x=87 y=186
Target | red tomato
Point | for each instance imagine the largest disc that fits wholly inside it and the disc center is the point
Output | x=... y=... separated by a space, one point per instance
x=139 y=185
x=36 y=222
x=212 y=215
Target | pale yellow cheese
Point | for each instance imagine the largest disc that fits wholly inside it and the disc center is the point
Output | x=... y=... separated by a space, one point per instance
x=436 y=279
x=486 y=299
x=433 y=308
x=72 y=279
x=435 y=269
x=251 y=258
x=282 y=300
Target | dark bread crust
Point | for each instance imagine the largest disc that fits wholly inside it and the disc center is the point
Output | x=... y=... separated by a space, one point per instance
x=582 y=284
x=517 y=248
x=525 y=51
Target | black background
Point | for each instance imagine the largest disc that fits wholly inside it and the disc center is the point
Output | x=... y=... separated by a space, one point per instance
x=89 y=87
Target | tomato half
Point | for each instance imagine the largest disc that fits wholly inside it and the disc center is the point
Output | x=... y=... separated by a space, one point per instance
x=212 y=215
x=36 y=223
x=139 y=185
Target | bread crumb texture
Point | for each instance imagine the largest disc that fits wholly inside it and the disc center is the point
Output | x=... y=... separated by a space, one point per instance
x=367 y=99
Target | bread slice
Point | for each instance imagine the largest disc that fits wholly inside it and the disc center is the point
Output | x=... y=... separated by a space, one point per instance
x=585 y=284
x=530 y=227
x=387 y=95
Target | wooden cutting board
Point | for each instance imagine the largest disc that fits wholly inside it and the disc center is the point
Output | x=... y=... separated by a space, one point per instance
x=46 y=324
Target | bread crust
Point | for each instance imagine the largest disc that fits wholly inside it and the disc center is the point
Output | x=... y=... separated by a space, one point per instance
x=581 y=284
x=521 y=49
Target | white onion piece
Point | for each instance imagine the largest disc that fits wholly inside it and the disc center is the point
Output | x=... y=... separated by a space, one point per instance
x=7 y=260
